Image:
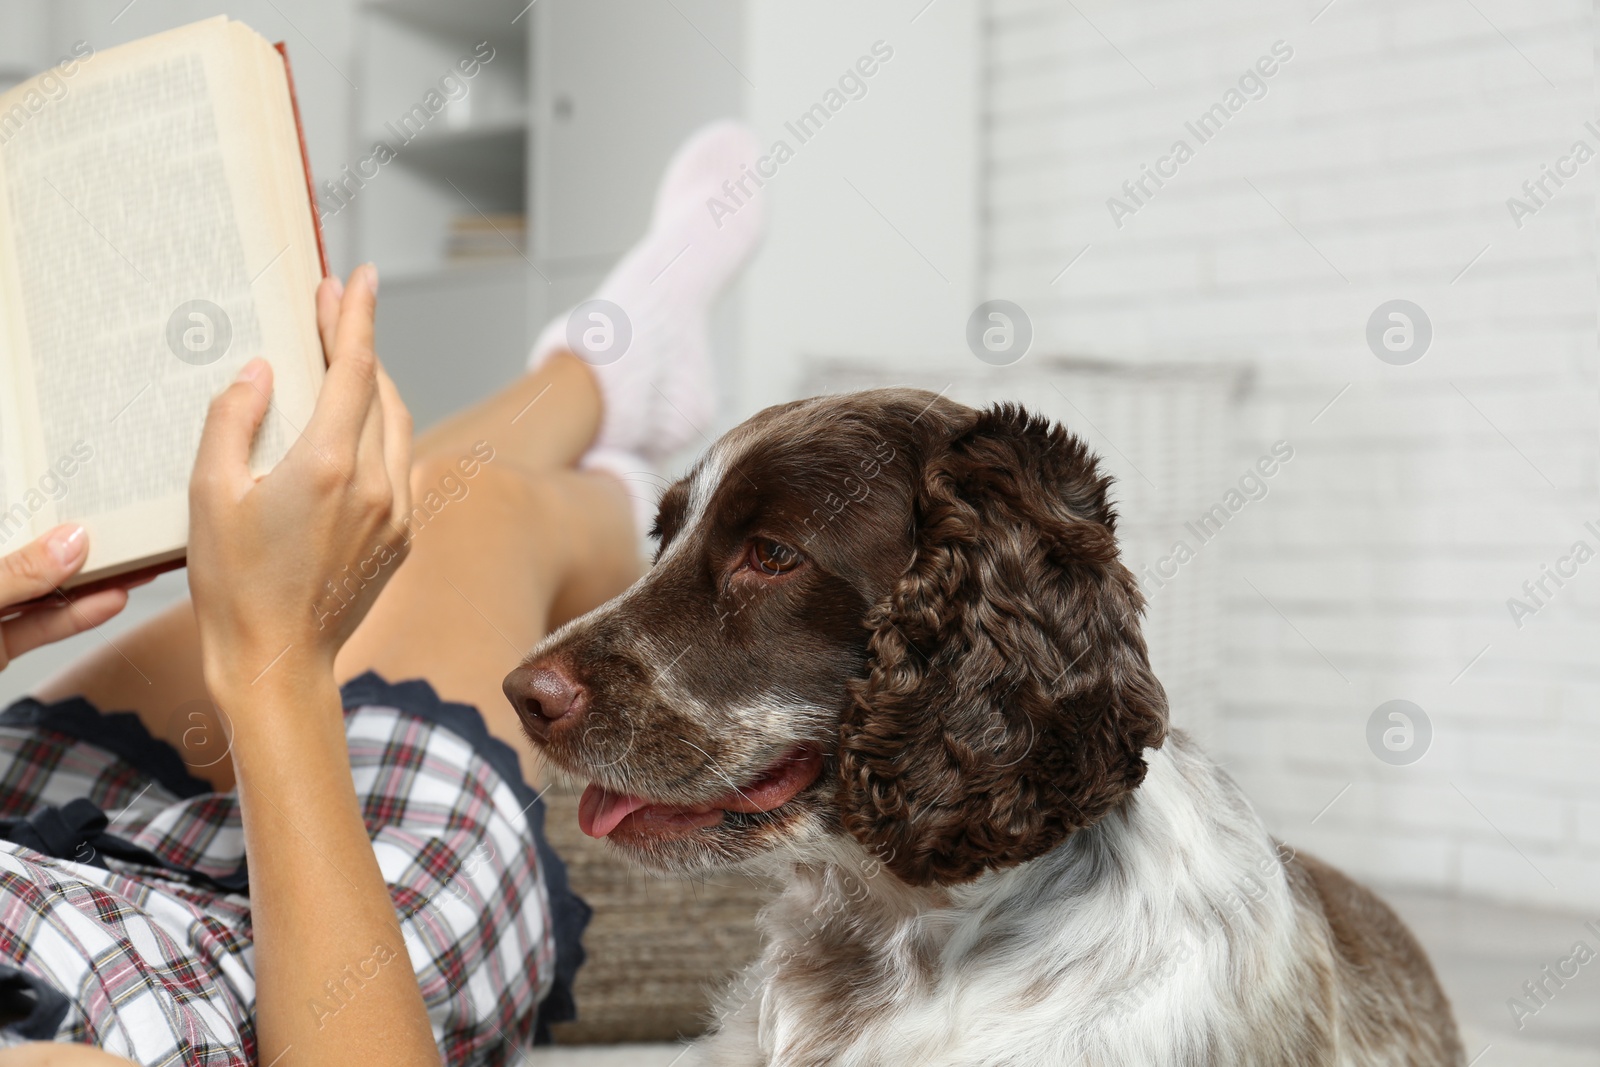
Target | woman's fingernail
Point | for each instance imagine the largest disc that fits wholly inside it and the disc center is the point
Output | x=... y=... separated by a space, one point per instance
x=372 y=276
x=252 y=370
x=67 y=544
x=338 y=286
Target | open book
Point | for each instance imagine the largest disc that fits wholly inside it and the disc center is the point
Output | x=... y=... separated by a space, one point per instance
x=156 y=232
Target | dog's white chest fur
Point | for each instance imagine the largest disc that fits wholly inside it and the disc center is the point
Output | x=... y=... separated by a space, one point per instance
x=1167 y=934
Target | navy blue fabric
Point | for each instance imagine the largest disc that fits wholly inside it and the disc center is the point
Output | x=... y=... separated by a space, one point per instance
x=67 y=832
x=123 y=735
x=119 y=733
x=76 y=831
x=30 y=1007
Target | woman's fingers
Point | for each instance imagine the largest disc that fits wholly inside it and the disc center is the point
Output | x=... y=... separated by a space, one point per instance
x=48 y=623
x=346 y=401
x=369 y=451
x=354 y=333
x=236 y=413
x=329 y=294
x=396 y=445
x=39 y=567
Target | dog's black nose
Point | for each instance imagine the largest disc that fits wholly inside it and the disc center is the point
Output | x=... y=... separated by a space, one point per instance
x=542 y=694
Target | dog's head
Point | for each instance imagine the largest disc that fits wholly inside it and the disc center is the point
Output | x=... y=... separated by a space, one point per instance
x=882 y=614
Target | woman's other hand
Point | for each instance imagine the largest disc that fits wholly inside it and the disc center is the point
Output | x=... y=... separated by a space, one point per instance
x=37 y=569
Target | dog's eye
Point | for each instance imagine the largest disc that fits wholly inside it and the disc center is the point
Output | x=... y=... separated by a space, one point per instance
x=771 y=557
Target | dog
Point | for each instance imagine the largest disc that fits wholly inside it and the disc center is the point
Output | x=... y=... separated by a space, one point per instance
x=888 y=653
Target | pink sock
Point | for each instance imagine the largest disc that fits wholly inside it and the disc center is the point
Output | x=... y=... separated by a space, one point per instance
x=647 y=342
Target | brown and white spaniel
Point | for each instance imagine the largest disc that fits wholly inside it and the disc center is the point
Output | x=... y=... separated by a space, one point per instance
x=889 y=653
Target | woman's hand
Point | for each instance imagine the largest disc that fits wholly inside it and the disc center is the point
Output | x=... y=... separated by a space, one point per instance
x=284 y=566
x=39 y=568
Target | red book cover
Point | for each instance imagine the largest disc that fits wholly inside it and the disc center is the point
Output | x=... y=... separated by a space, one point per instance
x=305 y=157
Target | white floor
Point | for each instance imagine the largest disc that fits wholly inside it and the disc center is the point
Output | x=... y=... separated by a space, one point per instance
x=1494 y=1050
x=1484 y=953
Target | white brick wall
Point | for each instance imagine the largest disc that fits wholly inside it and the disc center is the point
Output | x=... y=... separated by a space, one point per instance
x=1381 y=158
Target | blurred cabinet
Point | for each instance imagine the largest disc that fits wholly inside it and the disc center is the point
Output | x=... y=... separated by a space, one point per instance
x=505 y=154
x=440 y=125
x=620 y=84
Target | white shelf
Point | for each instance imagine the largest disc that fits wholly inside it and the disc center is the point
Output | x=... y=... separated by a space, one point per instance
x=454 y=272
x=516 y=124
x=470 y=156
x=636 y=78
x=478 y=20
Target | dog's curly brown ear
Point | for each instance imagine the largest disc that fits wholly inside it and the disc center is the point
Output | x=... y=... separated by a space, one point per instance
x=1009 y=697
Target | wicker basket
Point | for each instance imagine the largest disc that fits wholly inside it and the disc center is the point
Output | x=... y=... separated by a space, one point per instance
x=658 y=945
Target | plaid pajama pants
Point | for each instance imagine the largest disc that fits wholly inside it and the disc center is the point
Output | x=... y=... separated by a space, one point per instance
x=123 y=916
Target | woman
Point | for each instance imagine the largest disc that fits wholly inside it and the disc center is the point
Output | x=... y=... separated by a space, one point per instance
x=243 y=872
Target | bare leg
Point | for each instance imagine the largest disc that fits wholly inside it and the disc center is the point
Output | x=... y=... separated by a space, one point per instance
x=543 y=421
x=530 y=542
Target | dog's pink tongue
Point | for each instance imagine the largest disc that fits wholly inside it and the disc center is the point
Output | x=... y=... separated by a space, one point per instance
x=599 y=809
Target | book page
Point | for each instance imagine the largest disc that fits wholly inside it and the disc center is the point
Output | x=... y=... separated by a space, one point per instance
x=16 y=519
x=151 y=260
x=17 y=507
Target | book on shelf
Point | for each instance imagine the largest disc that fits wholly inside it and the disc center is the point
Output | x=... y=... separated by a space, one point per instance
x=478 y=237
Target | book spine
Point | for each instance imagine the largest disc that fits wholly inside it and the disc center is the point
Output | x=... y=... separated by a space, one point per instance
x=305 y=158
